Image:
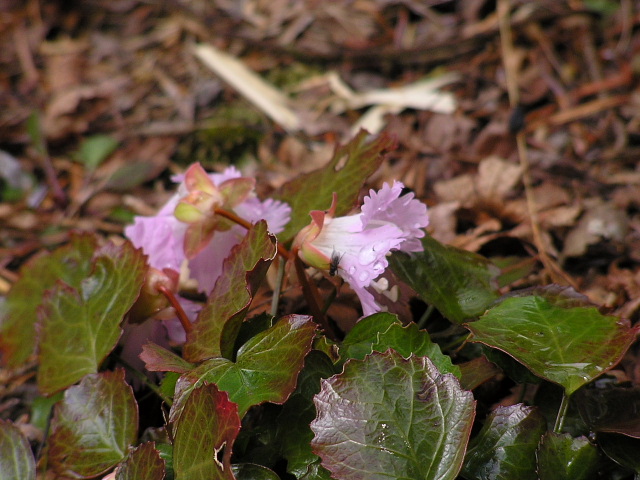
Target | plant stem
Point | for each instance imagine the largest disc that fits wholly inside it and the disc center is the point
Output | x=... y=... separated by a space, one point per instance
x=425 y=316
x=562 y=412
x=182 y=316
x=277 y=288
x=283 y=252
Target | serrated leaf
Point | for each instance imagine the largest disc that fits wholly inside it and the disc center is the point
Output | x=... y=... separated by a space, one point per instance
x=79 y=327
x=360 y=339
x=218 y=323
x=204 y=435
x=345 y=175
x=562 y=457
x=266 y=368
x=143 y=463
x=159 y=359
x=411 y=340
x=391 y=417
x=460 y=284
x=68 y=264
x=568 y=346
x=506 y=445
x=93 y=425
x=16 y=459
x=298 y=412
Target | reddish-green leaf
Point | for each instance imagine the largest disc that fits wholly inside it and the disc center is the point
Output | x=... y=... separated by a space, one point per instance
x=207 y=426
x=218 y=323
x=505 y=448
x=158 y=359
x=345 y=175
x=251 y=471
x=621 y=449
x=390 y=417
x=460 y=284
x=16 y=459
x=143 y=463
x=562 y=457
x=266 y=368
x=568 y=346
x=80 y=326
x=69 y=264
x=93 y=425
x=360 y=339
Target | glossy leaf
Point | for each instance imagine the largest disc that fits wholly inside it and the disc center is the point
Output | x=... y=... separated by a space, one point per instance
x=411 y=340
x=390 y=417
x=93 y=425
x=506 y=446
x=460 y=284
x=568 y=346
x=79 y=326
x=159 y=359
x=16 y=459
x=621 y=449
x=251 y=471
x=477 y=371
x=69 y=264
x=298 y=412
x=614 y=409
x=218 y=323
x=360 y=339
x=562 y=457
x=266 y=368
x=345 y=175
x=143 y=463
x=204 y=435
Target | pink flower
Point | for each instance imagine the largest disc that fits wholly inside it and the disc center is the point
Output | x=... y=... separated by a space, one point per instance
x=356 y=246
x=201 y=239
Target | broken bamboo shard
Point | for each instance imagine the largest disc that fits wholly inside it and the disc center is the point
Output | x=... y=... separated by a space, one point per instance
x=263 y=95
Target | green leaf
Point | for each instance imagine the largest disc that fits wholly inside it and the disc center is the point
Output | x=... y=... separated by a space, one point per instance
x=159 y=359
x=411 y=340
x=267 y=366
x=298 y=412
x=204 y=435
x=69 y=264
x=95 y=149
x=143 y=463
x=79 y=327
x=218 y=323
x=562 y=457
x=345 y=175
x=460 y=284
x=41 y=410
x=93 y=425
x=16 y=459
x=251 y=471
x=359 y=341
x=506 y=446
x=568 y=346
x=36 y=135
x=389 y=417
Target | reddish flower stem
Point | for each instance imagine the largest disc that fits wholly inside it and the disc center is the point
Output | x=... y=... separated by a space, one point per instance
x=283 y=252
x=182 y=316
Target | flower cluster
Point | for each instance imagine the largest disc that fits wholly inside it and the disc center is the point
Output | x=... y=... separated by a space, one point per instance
x=187 y=230
x=356 y=246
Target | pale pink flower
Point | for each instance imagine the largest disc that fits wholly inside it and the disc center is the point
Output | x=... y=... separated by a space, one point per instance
x=162 y=237
x=356 y=246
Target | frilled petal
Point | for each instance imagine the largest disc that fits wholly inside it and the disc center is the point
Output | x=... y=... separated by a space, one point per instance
x=161 y=238
x=405 y=212
x=276 y=213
